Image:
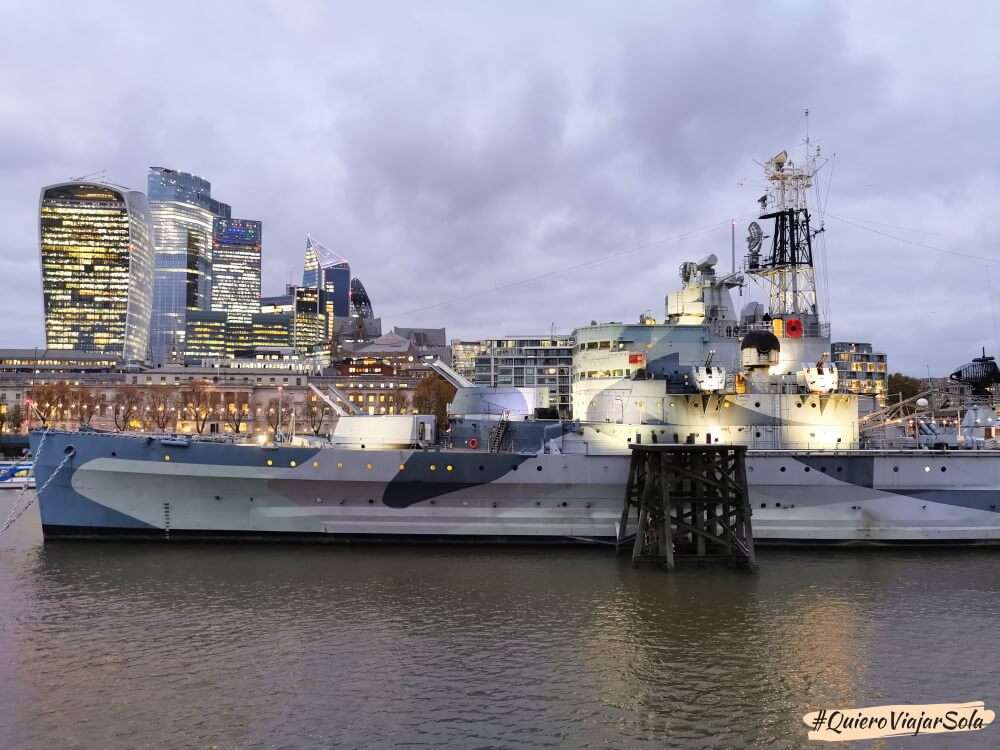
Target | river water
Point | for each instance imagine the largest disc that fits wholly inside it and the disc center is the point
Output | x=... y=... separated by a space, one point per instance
x=151 y=645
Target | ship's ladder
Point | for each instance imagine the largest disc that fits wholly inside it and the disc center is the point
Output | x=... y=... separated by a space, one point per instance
x=499 y=432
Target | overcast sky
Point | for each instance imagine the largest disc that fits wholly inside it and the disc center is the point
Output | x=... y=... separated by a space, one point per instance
x=510 y=167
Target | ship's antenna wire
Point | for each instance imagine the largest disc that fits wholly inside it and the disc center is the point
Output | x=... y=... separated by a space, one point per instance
x=915 y=243
x=982 y=258
x=824 y=256
x=477 y=293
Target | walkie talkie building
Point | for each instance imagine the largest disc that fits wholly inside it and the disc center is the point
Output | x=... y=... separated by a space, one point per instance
x=97 y=269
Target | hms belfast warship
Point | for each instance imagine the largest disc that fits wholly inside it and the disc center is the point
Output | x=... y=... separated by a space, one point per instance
x=705 y=373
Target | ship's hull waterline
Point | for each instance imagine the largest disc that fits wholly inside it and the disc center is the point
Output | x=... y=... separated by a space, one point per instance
x=114 y=486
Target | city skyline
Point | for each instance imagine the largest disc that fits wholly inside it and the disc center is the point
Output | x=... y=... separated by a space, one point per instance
x=557 y=186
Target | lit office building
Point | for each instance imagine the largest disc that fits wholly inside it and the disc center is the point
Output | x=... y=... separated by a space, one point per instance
x=206 y=335
x=183 y=215
x=97 y=269
x=331 y=275
x=236 y=249
x=530 y=361
x=463 y=356
x=292 y=319
x=860 y=369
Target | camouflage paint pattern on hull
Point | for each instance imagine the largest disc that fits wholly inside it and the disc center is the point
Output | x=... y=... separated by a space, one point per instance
x=121 y=484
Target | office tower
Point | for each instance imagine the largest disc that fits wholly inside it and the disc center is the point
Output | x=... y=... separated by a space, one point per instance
x=183 y=214
x=291 y=320
x=97 y=269
x=206 y=336
x=463 y=356
x=331 y=275
x=236 y=250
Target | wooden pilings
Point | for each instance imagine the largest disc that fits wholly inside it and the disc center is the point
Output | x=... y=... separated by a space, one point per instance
x=691 y=503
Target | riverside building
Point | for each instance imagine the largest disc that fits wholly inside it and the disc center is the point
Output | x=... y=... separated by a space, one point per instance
x=97 y=269
x=860 y=369
x=530 y=361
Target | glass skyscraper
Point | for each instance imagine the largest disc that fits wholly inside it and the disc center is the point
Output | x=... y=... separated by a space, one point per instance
x=183 y=212
x=236 y=248
x=97 y=269
x=331 y=275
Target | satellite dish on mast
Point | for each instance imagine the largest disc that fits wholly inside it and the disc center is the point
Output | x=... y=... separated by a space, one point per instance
x=754 y=237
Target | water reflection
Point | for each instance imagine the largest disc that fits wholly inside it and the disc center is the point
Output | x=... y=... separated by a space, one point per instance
x=120 y=645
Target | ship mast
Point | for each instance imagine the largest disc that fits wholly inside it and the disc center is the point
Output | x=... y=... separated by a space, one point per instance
x=787 y=266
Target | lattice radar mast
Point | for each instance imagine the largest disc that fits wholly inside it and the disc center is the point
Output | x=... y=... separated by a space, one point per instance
x=787 y=266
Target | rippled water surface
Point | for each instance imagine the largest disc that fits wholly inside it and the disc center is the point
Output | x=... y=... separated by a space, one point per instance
x=118 y=645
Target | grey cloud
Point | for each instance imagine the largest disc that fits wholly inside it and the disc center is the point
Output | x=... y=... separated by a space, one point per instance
x=452 y=151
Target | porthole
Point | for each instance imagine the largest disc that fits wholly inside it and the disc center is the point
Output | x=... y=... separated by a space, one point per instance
x=840 y=469
x=564 y=504
x=763 y=505
x=113 y=454
x=370 y=501
x=927 y=468
x=944 y=468
x=895 y=469
x=538 y=468
x=292 y=463
x=433 y=467
x=269 y=461
x=449 y=467
x=482 y=468
x=340 y=466
x=782 y=468
x=167 y=458
x=513 y=468
x=369 y=467
x=777 y=505
x=756 y=403
x=758 y=434
x=798 y=406
x=813 y=405
x=807 y=468
x=402 y=466
x=315 y=464
x=433 y=502
x=823 y=469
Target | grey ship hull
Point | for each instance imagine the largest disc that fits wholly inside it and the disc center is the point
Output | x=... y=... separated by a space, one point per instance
x=122 y=485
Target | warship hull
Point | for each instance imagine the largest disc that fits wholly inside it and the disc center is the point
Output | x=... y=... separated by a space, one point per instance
x=113 y=486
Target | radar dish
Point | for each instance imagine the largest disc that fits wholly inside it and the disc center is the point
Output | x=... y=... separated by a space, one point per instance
x=754 y=237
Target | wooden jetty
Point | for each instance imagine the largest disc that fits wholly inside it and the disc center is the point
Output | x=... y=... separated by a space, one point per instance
x=691 y=503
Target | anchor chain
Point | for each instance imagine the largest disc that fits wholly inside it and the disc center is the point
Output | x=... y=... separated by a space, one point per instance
x=17 y=511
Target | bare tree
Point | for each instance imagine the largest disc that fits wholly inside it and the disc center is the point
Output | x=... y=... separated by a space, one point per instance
x=88 y=402
x=237 y=411
x=198 y=400
x=48 y=400
x=12 y=417
x=277 y=414
x=127 y=406
x=317 y=412
x=162 y=401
